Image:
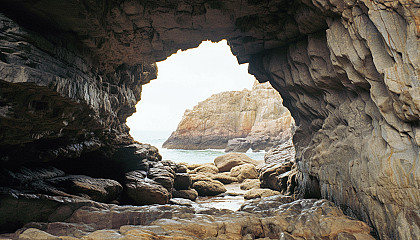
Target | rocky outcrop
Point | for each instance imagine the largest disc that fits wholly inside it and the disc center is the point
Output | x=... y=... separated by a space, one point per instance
x=71 y=72
x=279 y=171
x=271 y=218
x=134 y=175
x=235 y=121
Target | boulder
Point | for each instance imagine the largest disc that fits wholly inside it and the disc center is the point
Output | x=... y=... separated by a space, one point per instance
x=66 y=230
x=209 y=188
x=180 y=168
x=146 y=191
x=260 y=193
x=190 y=194
x=200 y=177
x=224 y=178
x=36 y=234
x=244 y=171
x=162 y=174
x=226 y=162
x=248 y=184
x=182 y=181
x=205 y=168
x=192 y=166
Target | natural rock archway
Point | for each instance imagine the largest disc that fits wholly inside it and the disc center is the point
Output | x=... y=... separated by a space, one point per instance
x=71 y=73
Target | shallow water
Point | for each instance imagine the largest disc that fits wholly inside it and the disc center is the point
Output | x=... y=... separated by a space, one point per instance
x=232 y=199
x=157 y=138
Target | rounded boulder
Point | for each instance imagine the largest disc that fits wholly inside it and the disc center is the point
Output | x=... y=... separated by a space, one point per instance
x=226 y=162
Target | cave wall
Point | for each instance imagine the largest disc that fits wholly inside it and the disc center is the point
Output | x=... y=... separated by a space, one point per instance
x=354 y=92
x=55 y=101
x=71 y=72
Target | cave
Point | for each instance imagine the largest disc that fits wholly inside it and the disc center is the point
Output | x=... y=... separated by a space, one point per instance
x=71 y=72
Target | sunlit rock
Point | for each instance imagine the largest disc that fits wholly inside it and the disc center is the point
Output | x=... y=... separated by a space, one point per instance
x=226 y=162
x=209 y=188
x=244 y=171
x=235 y=121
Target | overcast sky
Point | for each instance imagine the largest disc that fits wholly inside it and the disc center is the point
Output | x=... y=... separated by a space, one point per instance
x=184 y=79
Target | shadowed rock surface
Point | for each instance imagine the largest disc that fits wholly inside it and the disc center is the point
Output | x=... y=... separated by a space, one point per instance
x=71 y=73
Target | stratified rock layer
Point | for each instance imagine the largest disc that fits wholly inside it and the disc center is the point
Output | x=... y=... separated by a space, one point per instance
x=275 y=217
x=71 y=72
x=235 y=121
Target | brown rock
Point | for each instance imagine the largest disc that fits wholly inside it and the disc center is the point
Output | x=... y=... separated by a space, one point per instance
x=226 y=162
x=182 y=181
x=260 y=193
x=257 y=117
x=201 y=177
x=103 y=234
x=146 y=191
x=35 y=234
x=277 y=217
x=164 y=175
x=97 y=189
x=224 y=178
x=244 y=171
x=207 y=168
x=209 y=188
x=190 y=194
x=248 y=184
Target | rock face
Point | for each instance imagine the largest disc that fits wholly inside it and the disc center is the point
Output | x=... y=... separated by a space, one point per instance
x=235 y=121
x=279 y=171
x=71 y=72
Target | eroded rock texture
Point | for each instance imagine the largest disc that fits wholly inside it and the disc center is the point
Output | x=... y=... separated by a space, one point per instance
x=235 y=121
x=348 y=71
x=270 y=218
x=358 y=113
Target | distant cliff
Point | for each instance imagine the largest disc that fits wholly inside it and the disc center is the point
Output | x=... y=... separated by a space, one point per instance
x=235 y=121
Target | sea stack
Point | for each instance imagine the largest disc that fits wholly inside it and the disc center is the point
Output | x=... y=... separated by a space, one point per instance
x=235 y=121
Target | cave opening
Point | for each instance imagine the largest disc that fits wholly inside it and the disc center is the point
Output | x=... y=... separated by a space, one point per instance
x=188 y=78
x=184 y=79
x=347 y=70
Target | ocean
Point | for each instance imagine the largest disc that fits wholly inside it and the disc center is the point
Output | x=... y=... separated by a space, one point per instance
x=157 y=138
